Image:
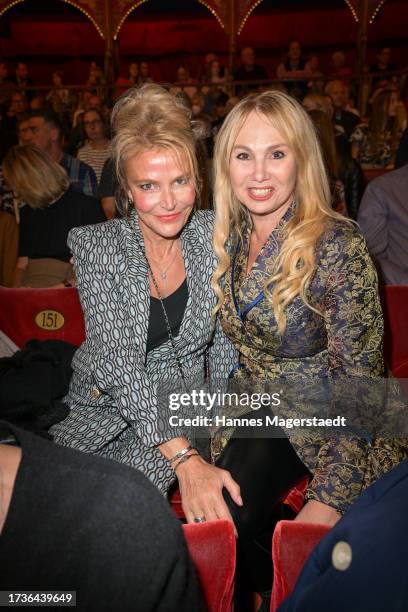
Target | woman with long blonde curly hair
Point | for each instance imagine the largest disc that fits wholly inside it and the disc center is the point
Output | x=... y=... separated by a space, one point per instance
x=298 y=297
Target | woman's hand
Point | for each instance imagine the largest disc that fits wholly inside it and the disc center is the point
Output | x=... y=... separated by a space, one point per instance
x=317 y=512
x=201 y=487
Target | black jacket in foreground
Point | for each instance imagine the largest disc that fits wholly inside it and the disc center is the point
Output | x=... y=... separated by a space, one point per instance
x=91 y=525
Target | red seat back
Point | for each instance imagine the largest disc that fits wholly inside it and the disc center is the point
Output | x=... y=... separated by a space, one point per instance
x=395 y=308
x=212 y=549
x=44 y=314
x=292 y=544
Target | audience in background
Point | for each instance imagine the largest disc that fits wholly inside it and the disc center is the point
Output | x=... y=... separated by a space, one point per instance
x=351 y=175
x=23 y=81
x=315 y=101
x=51 y=209
x=17 y=106
x=325 y=132
x=132 y=78
x=315 y=85
x=340 y=71
x=383 y=219
x=59 y=97
x=182 y=76
x=249 y=70
x=37 y=103
x=217 y=73
x=294 y=65
x=70 y=127
x=205 y=71
x=382 y=65
x=133 y=74
x=375 y=143
x=144 y=70
x=96 y=148
x=344 y=121
x=46 y=134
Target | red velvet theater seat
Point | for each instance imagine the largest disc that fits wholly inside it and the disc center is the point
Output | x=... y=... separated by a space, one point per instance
x=395 y=308
x=212 y=549
x=44 y=314
x=292 y=544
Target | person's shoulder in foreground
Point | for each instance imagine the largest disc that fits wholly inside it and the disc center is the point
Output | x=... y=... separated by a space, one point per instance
x=360 y=566
x=80 y=522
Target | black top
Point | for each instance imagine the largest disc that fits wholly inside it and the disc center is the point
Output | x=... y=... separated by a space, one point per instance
x=80 y=522
x=108 y=184
x=175 y=305
x=44 y=231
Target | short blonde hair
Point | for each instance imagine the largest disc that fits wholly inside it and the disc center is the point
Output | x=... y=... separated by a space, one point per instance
x=34 y=177
x=296 y=262
x=147 y=118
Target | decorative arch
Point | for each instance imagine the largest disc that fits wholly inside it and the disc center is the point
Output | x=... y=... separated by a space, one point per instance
x=214 y=8
x=121 y=10
x=90 y=8
x=374 y=7
x=245 y=8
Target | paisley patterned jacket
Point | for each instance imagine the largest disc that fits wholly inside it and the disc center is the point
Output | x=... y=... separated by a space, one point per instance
x=344 y=341
x=115 y=392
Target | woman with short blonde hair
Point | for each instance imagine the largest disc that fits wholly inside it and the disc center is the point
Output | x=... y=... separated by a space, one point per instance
x=49 y=209
x=36 y=179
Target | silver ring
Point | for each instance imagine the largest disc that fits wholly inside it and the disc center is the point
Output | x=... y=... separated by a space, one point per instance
x=199 y=519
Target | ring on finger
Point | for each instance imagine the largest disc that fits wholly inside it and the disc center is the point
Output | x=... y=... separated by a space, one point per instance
x=199 y=519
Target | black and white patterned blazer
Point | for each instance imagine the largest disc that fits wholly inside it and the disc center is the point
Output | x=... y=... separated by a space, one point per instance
x=115 y=388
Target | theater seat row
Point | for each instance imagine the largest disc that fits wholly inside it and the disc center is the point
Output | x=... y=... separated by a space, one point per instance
x=56 y=314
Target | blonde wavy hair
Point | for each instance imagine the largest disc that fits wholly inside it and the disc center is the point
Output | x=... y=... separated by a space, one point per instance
x=148 y=117
x=34 y=177
x=295 y=264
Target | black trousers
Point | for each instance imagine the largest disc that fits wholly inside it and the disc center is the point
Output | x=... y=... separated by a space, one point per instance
x=265 y=468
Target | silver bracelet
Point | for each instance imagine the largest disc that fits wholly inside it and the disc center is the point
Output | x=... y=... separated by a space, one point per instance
x=186 y=458
x=181 y=453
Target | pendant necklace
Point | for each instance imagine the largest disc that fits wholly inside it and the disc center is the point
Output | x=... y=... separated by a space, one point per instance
x=163 y=273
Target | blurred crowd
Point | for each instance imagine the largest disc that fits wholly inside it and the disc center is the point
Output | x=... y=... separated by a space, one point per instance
x=71 y=130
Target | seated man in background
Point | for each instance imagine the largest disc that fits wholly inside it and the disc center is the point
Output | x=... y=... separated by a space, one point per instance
x=383 y=220
x=344 y=120
x=70 y=521
x=46 y=134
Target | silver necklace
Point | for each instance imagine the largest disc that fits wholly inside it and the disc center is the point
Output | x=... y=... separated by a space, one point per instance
x=163 y=273
x=166 y=318
x=169 y=332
